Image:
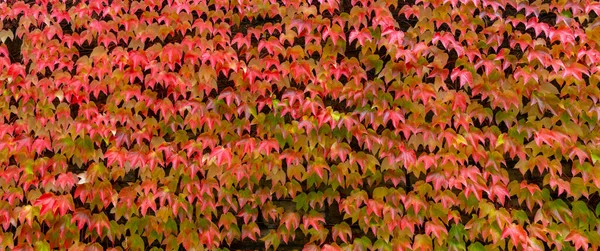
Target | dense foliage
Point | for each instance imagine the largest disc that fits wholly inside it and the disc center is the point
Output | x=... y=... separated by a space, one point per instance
x=293 y=124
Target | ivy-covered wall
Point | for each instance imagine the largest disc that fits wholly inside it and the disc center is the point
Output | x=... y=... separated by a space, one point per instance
x=299 y=124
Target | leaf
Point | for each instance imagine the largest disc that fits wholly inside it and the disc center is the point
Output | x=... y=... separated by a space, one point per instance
x=81 y=217
x=291 y=221
x=598 y=209
x=250 y=231
x=595 y=156
x=422 y=242
x=362 y=36
x=437 y=229
x=477 y=246
x=500 y=140
x=363 y=243
x=99 y=222
x=227 y=220
x=67 y=181
x=517 y=234
x=333 y=247
x=6 y=34
x=7 y=240
x=136 y=242
x=500 y=192
x=46 y=203
x=222 y=154
x=312 y=219
x=147 y=201
x=582 y=212
x=465 y=77
x=42 y=245
x=271 y=239
x=372 y=62
x=580 y=240
x=342 y=231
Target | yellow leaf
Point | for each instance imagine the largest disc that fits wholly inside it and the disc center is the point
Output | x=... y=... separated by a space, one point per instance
x=461 y=140
x=6 y=34
x=500 y=140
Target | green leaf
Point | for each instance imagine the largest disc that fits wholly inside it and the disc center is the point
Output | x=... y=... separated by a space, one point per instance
x=380 y=193
x=132 y=225
x=28 y=166
x=136 y=242
x=477 y=246
x=582 y=212
x=381 y=245
x=181 y=136
x=363 y=242
x=455 y=244
x=457 y=231
x=595 y=156
x=422 y=242
x=42 y=246
x=373 y=61
x=154 y=236
x=7 y=241
x=301 y=202
x=520 y=216
x=578 y=187
x=271 y=239
x=558 y=209
x=85 y=143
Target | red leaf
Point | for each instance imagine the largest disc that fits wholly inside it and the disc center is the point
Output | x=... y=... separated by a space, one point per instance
x=81 y=217
x=98 y=222
x=550 y=137
x=465 y=77
x=222 y=154
x=363 y=35
x=66 y=181
x=291 y=221
x=51 y=202
x=147 y=202
x=335 y=32
x=575 y=70
x=267 y=146
x=580 y=240
x=581 y=155
x=46 y=202
x=317 y=168
x=312 y=219
x=500 y=191
x=436 y=228
x=127 y=196
x=517 y=234
x=339 y=150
